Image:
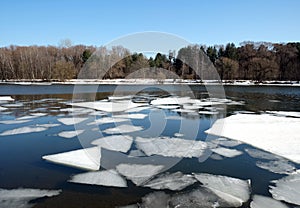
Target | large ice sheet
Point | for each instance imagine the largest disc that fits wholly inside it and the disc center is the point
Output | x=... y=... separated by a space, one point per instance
x=20 y=198
x=139 y=173
x=102 y=178
x=72 y=120
x=23 y=130
x=232 y=190
x=171 y=147
x=110 y=107
x=259 y=154
x=279 y=135
x=70 y=134
x=172 y=181
x=226 y=142
x=107 y=120
x=266 y=202
x=226 y=152
x=121 y=143
x=123 y=129
x=287 y=189
x=88 y=158
x=285 y=113
x=277 y=166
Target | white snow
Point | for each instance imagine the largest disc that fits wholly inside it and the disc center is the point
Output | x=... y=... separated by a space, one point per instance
x=70 y=134
x=123 y=129
x=121 y=143
x=139 y=173
x=23 y=130
x=171 y=147
x=226 y=152
x=287 y=189
x=277 y=166
x=233 y=190
x=14 y=121
x=102 y=178
x=110 y=107
x=6 y=98
x=131 y=116
x=266 y=202
x=20 y=198
x=172 y=181
x=275 y=134
x=72 y=120
x=88 y=158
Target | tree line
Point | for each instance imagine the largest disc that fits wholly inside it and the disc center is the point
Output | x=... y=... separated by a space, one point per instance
x=249 y=61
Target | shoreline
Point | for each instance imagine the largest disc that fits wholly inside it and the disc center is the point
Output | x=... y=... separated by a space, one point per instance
x=152 y=82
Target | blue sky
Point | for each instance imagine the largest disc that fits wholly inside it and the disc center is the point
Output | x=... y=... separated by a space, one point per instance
x=47 y=22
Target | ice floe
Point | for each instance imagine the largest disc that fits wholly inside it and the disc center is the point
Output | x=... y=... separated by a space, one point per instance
x=106 y=120
x=171 y=147
x=2 y=108
x=88 y=158
x=131 y=116
x=136 y=153
x=70 y=134
x=208 y=112
x=123 y=129
x=167 y=107
x=102 y=178
x=181 y=110
x=110 y=107
x=259 y=154
x=6 y=98
x=171 y=101
x=32 y=116
x=285 y=113
x=266 y=202
x=226 y=142
x=216 y=157
x=23 y=130
x=139 y=173
x=14 y=121
x=233 y=190
x=226 y=152
x=172 y=181
x=49 y=125
x=20 y=198
x=138 y=109
x=121 y=143
x=287 y=189
x=277 y=166
x=275 y=134
x=72 y=120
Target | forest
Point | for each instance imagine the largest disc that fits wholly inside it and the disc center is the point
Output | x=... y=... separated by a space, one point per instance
x=256 y=61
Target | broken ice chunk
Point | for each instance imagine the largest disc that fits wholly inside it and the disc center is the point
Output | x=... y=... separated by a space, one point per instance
x=232 y=190
x=277 y=166
x=102 y=178
x=121 y=143
x=259 y=154
x=14 y=121
x=123 y=129
x=171 y=147
x=20 y=198
x=106 y=120
x=174 y=181
x=131 y=116
x=139 y=173
x=226 y=142
x=287 y=189
x=88 y=158
x=226 y=152
x=285 y=113
x=23 y=130
x=71 y=121
x=266 y=202
x=70 y=134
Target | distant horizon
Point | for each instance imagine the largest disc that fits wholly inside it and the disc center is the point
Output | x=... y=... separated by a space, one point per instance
x=94 y=23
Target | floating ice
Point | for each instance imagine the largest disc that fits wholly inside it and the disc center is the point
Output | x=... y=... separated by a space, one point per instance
x=171 y=101
x=123 y=129
x=20 y=198
x=287 y=189
x=180 y=110
x=111 y=107
x=106 y=120
x=233 y=190
x=125 y=97
x=88 y=158
x=174 y=181
x=277 y=166
x=255 y=153
x=216 y=157
x=138 y=109
x=178 y=135
x=136 y=153
x=23 y=130
x=102 y=178
x=71 y=121
x=285 y=113
x=266 y=202
x=226 y=142
x=6 y=98
x=48 y=125
x=32 y=116
x=2 y=108
x=167 y=106
x=171 y=147
x=208 y=112
x=14 y=105
x=131 y=116
x=155 y=200
x=275 y=134
x=121 y=143
x=14 y=121
x=70 y=134
x=226 y=152
x=139 y=173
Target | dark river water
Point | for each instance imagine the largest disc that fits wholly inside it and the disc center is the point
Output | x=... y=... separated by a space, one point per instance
x=21 y=163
